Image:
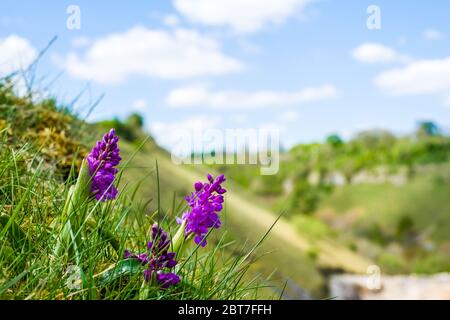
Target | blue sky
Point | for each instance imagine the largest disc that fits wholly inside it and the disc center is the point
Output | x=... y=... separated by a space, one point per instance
x=309 y=68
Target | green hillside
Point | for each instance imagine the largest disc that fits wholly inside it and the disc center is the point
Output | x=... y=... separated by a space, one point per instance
x=42 y=147
x=58 y=241
x=383 y=197
x=344 y=206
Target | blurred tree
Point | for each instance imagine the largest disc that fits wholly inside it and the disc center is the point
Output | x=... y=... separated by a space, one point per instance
x=427 y=129
x=135 y=120
x=124 y=130
x=375 y=138
x=334 y=140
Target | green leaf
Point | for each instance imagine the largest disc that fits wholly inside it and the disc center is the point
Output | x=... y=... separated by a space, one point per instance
x=123 y=268
x=73 y=215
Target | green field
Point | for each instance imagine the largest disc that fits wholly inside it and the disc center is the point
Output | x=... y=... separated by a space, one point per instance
x=317 y=227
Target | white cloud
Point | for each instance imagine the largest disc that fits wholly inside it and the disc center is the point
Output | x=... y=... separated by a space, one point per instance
x=422 y=77
x=16 y=53
x=176 y=54
x=377 y=53
x=289 y=116
x=140 y=104
x=239 y=118
x=171 y=20
x=169 y=134
x=243 y=16
x=274 y=127
x=432 y=34
x=201 y=96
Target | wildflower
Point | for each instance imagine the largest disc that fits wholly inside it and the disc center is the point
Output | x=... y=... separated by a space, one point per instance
x=157 y=259
x=205 y=203
x=167 y=279
x=141 y=257
x=102 y=161
x=96 y=177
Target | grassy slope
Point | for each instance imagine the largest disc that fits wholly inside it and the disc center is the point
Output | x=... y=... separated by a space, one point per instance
x=248 y=221
x=424 y=201
x=413 y=199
